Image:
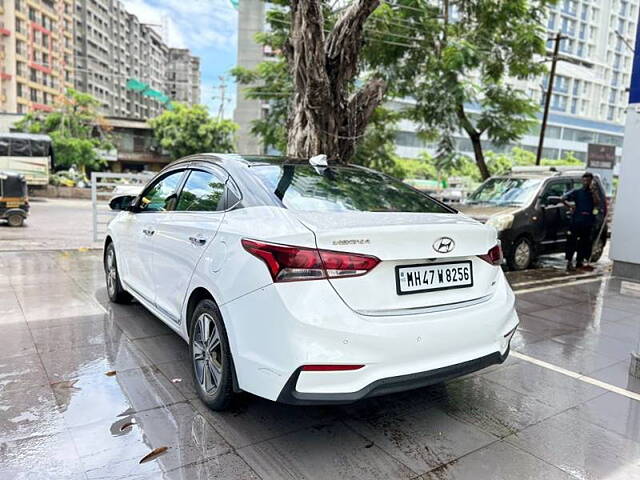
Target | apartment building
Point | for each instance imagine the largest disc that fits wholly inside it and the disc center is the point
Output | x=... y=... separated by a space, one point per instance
x=183 y=76
x=36 y=53
x=112 y=48
x=589 y=94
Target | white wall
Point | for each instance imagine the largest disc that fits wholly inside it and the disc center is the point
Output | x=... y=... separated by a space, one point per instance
x=625 y=240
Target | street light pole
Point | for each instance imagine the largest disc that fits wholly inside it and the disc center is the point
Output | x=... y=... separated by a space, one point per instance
x=547 y=100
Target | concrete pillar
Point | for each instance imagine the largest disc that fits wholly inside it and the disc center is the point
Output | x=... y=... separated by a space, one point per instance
x=626 y=221
x=251 y=20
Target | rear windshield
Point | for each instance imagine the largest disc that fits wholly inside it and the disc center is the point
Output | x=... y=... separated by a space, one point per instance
x=335 y=189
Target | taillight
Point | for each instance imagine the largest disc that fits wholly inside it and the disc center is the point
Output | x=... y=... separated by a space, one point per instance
x=290 y=264
x=493 y=256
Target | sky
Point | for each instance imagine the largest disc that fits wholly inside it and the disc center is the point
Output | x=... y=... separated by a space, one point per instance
x=209 y=28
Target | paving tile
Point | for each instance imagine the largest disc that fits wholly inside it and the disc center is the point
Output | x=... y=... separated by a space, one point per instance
x=252 y=419
x=108 y=450
x=141 y=324
x=90 y=398
x=542 y=328
x=29 y=413
x=569 y=357
x=618 y=375
x=549 y=387
x=77 y=332
x=38 y=314
x=40 y=458
x=92 y=360
x=179 y=372
x=546 y=298
x=163 y=348
x=422 y=440
x=224 y=467
x=525 y=306
x=522 y=338
x=17 y=340
x=491 y=407
x=596 y=342
x=21 y=373
x=614 y=412
x=565 y=317
x=324 y=452
x=581 y=448
x=499 y=461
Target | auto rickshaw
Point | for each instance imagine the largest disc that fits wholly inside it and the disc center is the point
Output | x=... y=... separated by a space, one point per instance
x=14 y=203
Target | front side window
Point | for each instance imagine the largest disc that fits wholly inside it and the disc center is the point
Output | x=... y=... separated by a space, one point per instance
x=202 y=192
x=555 y=189
x=337 y=189
x=160 y=197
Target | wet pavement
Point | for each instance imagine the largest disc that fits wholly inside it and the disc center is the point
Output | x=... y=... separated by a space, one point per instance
x=87 y=389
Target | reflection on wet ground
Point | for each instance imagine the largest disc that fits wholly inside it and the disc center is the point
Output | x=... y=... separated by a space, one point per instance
x=62 y=416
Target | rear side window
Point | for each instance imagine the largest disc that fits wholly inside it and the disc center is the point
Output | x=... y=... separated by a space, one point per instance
x=202 y=192
x=334 y=189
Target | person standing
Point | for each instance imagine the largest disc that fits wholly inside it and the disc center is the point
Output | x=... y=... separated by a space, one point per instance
x=585 y=202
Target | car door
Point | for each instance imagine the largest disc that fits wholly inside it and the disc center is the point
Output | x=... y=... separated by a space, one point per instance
x=555 y=215
x=139 y=233
x=181 y=238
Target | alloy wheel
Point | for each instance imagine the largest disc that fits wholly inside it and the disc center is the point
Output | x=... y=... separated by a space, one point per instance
x=112 y=272
x=522 y=254
x=207 y=354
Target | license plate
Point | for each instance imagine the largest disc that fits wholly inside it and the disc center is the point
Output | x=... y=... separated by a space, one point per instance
x=429 y=278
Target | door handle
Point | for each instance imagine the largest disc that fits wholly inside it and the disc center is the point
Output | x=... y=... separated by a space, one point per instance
x=148 y=232
x=197 y=241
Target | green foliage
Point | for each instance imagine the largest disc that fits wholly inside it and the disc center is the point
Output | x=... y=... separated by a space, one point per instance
x=76 y=129
x=447 y=64
x=186 y=131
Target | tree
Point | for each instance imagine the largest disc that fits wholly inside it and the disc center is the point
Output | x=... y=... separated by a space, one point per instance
x=76 y=129
x=186 y=131
x=272 y=82
x=326 y=114
x=459 y=53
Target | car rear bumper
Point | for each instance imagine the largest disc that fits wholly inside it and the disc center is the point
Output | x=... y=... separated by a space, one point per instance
x=386 y=386
x=278 y=329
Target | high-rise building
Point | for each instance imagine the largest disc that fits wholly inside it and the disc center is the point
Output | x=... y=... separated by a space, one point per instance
x=114 y=47
x=589 y=94
x=36 y=53
x=183 y=76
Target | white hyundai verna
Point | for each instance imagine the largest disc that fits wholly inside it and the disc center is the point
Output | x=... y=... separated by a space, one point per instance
x=309 y=284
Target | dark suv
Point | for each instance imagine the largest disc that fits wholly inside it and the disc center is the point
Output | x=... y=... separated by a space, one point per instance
x=525 y=208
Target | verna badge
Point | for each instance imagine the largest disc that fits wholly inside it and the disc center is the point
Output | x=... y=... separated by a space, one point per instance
x=444 y=245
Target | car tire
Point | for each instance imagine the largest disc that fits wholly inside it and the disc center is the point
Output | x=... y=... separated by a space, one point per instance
x=116 y=293
x=598 y=249
x=211 y=361
x=521 y=255
x=15 y=220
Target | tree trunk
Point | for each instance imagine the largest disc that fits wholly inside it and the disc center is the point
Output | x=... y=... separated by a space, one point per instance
x=475 y=137
x=479 y=154
x=322 y=118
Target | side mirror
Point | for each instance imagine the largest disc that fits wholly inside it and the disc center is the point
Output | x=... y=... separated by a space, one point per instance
x=121 y=202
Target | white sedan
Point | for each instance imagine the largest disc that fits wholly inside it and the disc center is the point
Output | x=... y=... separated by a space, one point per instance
x=307 y=284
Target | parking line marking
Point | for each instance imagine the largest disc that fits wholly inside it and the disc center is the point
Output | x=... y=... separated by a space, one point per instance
x=557 y=279
x=556 y=285
x=577 y=376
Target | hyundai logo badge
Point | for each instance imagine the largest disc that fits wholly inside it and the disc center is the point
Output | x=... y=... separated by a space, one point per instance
x=444 y=245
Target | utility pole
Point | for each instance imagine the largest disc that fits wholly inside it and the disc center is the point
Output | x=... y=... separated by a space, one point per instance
x=222 y=88
x=547 y=100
